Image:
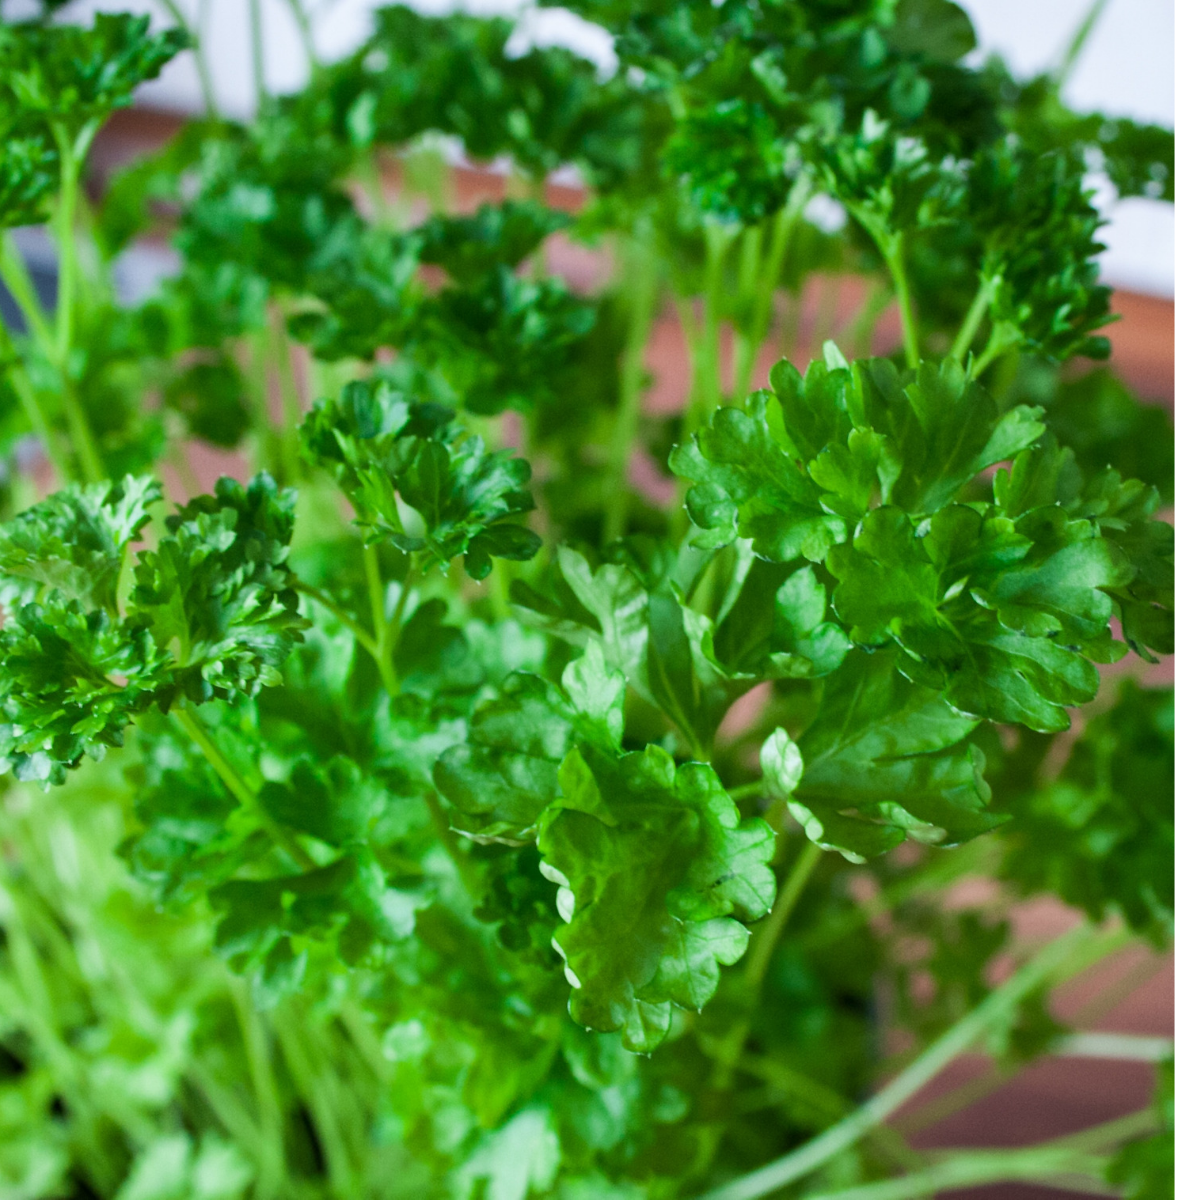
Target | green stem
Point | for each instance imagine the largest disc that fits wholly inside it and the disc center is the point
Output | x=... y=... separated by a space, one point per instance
x=239 y=789
x=1078 y=40
x=17 y=279
x=319 y=1089
x=72 y=154
x=379 y=618
x=892 y=249
x=269 y=1149
x=258 y=54
x=751 y=283
x=706 y=382
x=32 y=407
x=195 y=32
x=861 y=333
x=974 y=318
x=746 y=791
x=289 y=396
x=641 y=276
x=1057 y=1166
x=304 y=28
x=763 y=946
x=765 y=285
x=959 y=1038
x=367 y=642
x=1003 y=337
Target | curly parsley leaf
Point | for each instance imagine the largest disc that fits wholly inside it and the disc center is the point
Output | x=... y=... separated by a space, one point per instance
x=216 y=593
x=656 y=876
x=414 y=479
x=1100 y=831
x=71 y=680
x=74 y=542
x=886 y=759
x=800 y=464
x=72 y=77
x=506 y=774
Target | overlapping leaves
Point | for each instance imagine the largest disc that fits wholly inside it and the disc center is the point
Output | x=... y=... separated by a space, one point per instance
x=210 y=613
x=414 y=479
x=651 y=860
x=867 y=472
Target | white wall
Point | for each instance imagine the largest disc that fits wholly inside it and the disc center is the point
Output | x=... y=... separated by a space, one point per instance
x=1126 y=69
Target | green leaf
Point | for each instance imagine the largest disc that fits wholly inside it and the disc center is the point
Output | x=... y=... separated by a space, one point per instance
x=69 y=76
x=74 y=542
x=937 y=29
x=506 y=775
x=943 y=429
x=70 y=682
x=332 y=800
x=28 y=171
x=656 y=875
x=215 y=591
x=211 y=398
x=414 y=479
x=1099 y=831
x=886 y=759
x=493 y=236
x=1000 y=613
x=747 y=486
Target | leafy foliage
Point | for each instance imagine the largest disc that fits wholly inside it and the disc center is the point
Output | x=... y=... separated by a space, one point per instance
x=543 y=874
x=387 y=451
x=69 y=76
x=1111 y=802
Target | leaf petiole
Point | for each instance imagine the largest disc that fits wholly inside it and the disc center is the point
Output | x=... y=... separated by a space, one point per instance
x=239 y=789
x=958 y=1038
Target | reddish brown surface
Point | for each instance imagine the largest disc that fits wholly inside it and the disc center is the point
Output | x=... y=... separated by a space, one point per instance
x=1131 y=993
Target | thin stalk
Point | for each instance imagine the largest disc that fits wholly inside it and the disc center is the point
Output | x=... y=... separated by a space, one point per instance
x=861 y=333
x=765 y=286
x=706 y=366
x=289 y=396
x=746 y=791
x=319 y=1090
x=379 y=618
x=498 y=584
x=1003 y=337
x=762 y=947
x=1062 y=1168
x=750 y=277
x=269 y=1149
x=893 y=255
x=305 y=30
x=642 y=292
x=33 y=408
x=39 y=1013
x=258 y=54
x=973 y=319
x=1078 y=40
x=960 y=1037
x=367 y=642
x=938 y=1109
x=71 y=158
x=17 y=279
x=239 y=789
x=196 y=33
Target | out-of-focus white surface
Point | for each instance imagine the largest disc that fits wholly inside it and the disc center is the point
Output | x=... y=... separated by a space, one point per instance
x=1126 y=69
